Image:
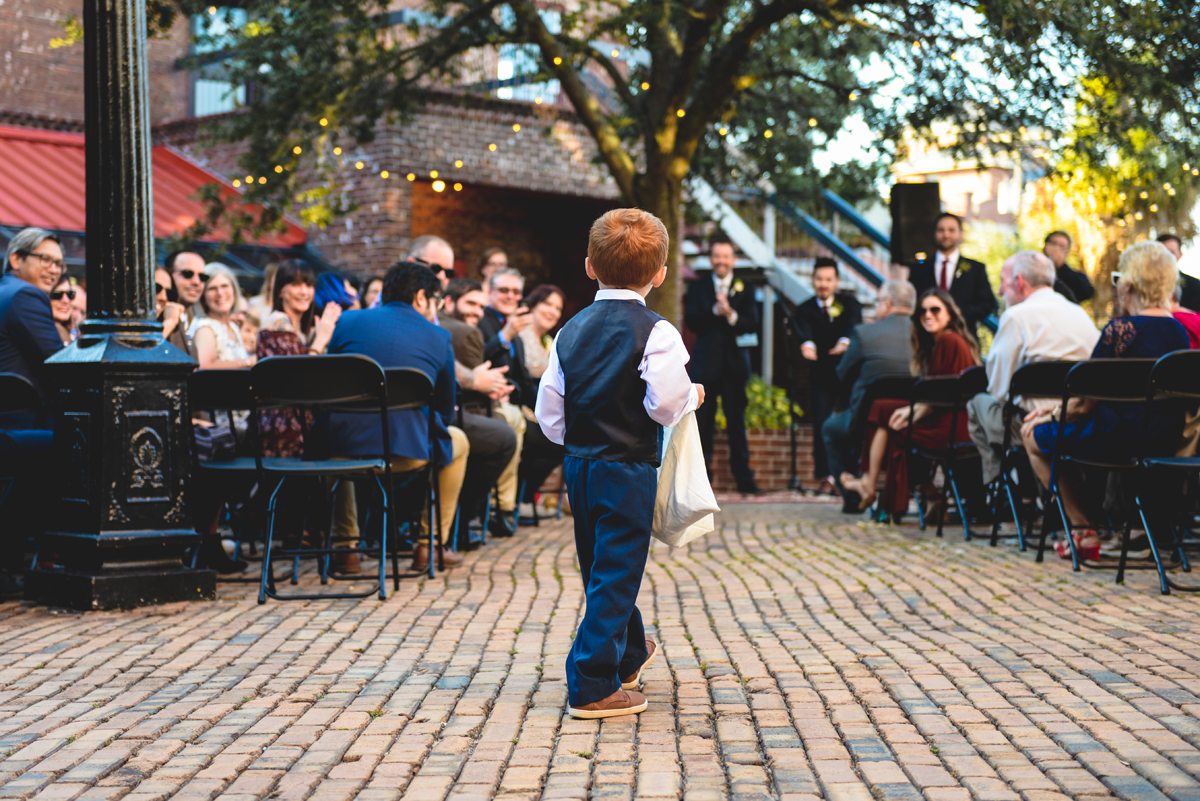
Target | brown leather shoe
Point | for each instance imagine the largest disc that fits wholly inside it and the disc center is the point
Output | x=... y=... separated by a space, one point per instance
x=420 y=560
x=345 y=563
x=622 y=702
x=632 y=682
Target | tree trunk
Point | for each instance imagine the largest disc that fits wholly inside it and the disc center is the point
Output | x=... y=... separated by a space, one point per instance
x=664 y=199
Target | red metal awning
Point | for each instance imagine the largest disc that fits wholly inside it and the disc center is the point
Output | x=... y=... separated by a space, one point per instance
x=44 y=178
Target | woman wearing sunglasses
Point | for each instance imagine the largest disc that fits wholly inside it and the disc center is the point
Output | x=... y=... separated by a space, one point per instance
x=941 y=345
x=61 y=297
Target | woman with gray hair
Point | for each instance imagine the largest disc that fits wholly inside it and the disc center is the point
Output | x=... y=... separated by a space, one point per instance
x=216 y=340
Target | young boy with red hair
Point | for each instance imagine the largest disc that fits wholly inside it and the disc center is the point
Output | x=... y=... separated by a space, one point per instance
x=615 y=377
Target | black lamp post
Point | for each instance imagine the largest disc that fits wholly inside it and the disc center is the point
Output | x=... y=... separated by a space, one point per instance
x=119 y=393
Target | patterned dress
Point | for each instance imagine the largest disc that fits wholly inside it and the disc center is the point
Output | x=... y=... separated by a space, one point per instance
x=281 y=430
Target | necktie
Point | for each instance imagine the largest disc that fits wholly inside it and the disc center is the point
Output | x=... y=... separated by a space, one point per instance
x=825 y=308
x=944 y=281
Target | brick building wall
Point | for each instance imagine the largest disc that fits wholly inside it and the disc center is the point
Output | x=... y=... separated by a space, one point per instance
x=534 y=195
x=41 y=82
x=770 y=459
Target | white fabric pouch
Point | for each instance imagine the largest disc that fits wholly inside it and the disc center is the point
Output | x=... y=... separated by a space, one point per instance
x=685 y=504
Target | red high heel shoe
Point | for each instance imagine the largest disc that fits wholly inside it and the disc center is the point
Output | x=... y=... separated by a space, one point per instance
x=1087 y=546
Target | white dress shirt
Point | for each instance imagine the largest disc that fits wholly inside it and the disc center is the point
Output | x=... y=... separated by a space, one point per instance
x=950 y=260
x=670 y=393
x=1044 y=327
x=723 y=285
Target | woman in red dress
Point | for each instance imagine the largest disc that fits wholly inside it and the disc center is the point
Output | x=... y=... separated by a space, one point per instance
x=942 y=345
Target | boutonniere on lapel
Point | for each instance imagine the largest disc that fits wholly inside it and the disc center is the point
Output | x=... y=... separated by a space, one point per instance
x=962 y=268
x=835 y=310
x=737 y=287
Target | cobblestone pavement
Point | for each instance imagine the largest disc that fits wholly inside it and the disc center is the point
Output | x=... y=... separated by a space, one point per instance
x=807 y=656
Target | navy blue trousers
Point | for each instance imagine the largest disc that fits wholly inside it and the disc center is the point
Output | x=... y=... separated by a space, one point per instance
x=613 y=507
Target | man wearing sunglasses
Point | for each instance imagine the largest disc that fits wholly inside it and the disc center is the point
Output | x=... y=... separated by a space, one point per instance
x=187 y=268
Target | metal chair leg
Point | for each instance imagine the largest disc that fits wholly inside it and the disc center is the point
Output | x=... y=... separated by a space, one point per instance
x=267 y=582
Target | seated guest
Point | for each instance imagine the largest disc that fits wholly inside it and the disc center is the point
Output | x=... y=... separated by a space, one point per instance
x=260 y=305
x=28 y=337
x=1187 y=318
x=501 y=325
x=882 y=348
x=941 y=345
x=1189 y=286
x=187 y=269
x=493 y=259
x=436 y=254
x=545 y=311
x=1039 y=325
x=1113 y=432
x=292 y=329
x=63 y=310
x=333 y=287
x=1076 y=282
x=167 y=311
x=463 y=307
x=216 y=340
x=371 y=288
x=400 y=333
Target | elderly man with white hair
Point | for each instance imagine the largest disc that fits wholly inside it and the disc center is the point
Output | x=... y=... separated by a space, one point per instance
x=1038 y=325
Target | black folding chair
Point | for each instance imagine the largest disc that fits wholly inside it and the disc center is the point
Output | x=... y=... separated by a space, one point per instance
x=228 y=391
x=1036 y=381
x=1106 y=381
x=884 y=387
x=344 y=383
x=1175 y=377
x=947 y=392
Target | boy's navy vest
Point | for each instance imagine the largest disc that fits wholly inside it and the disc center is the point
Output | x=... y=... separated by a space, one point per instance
x=600 y=350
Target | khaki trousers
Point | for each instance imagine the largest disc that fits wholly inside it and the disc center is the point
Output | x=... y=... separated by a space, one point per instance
x=450 y=481
x=506 y=485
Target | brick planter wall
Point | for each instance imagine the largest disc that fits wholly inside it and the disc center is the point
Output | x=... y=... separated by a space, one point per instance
x=770 y=459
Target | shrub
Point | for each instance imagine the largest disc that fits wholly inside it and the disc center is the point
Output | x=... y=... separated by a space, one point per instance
x=766 y=407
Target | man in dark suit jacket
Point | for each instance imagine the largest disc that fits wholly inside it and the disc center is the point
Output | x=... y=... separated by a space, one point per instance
x=400 y=333
x=28 y=337
x=504 y=318
x=33 y=265
x=718 y=309
x=965 y=279
x=881 y=348
x=1057 y=247
x=825 y=322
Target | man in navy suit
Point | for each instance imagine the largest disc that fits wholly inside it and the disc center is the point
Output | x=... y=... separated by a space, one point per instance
x=400 y=333
x=718 y=310
x=965 y=279
x=33 y=265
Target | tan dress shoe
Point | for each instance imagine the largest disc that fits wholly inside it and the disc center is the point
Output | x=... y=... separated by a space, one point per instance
x=345 y=563
x=622 y=702
x=420 y=560
x=632 y=682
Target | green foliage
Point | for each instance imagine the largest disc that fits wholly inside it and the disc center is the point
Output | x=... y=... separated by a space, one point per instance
x=766 y=407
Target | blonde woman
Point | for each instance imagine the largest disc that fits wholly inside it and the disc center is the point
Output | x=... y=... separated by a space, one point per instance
x=1146 y=276
x=216 y=339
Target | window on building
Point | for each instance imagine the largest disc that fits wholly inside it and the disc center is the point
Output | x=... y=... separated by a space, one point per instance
x=212 y=93
x=519 y=61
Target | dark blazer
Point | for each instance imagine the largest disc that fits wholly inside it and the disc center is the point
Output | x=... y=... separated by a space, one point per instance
x=814 y=326
x=396 y=335
x=466 y=339
x=1190 y=299
x=882 y=348
x=27 y=333
x=715 y=354
x=970 y=288
x=513 y=357
x=1078 y=282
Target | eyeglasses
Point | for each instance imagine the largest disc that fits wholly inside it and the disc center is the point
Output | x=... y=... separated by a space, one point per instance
x=507 y=290
x=46 y=260
x=934 y=310
x=159 y=288
x=1116 y=278
x=70 y=293
x=188 y=275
